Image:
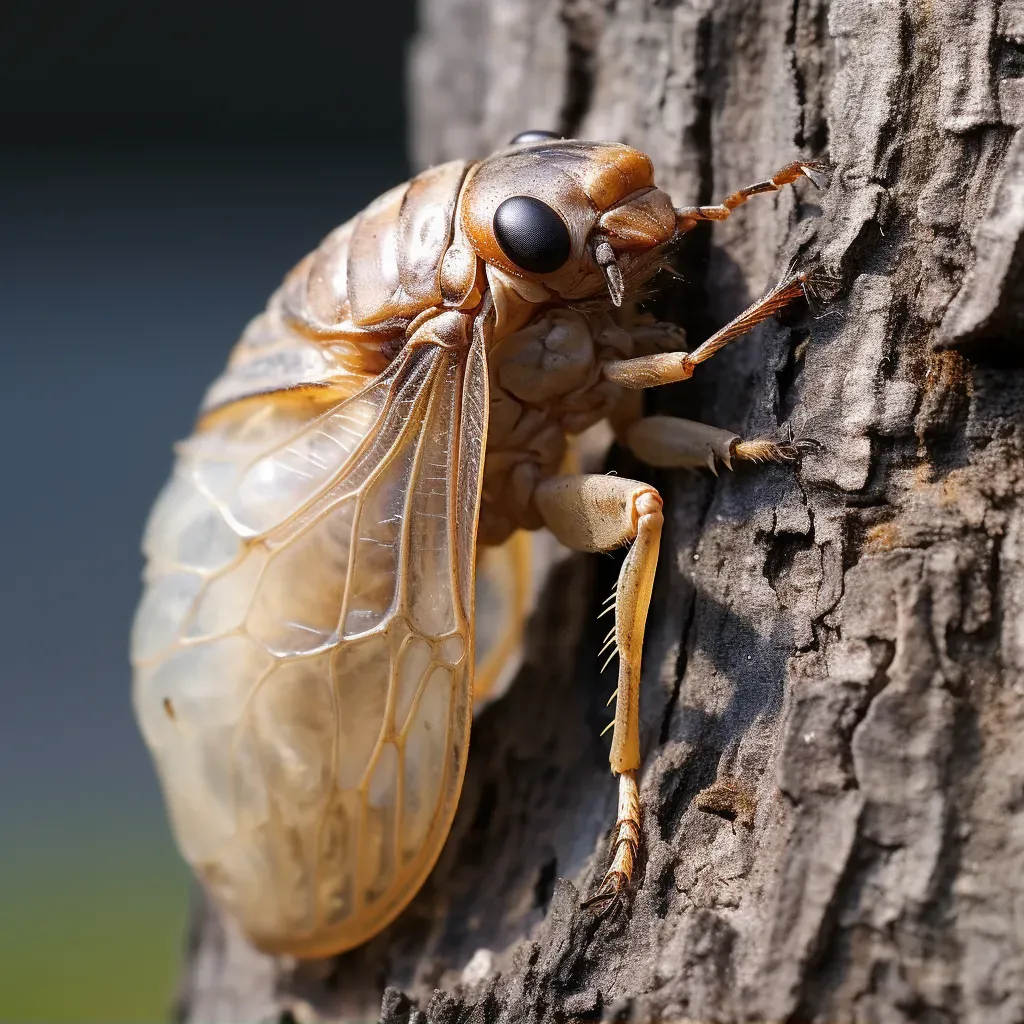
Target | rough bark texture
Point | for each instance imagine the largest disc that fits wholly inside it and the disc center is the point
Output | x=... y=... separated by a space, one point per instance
x=834 y=680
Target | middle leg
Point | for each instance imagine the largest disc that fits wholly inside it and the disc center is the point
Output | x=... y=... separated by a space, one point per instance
x=601 y=513
x=670 y=442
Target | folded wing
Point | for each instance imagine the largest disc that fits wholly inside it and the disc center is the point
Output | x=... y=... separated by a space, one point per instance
x=304 y=648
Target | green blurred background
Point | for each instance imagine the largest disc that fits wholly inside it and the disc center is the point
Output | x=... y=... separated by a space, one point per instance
x=161 y=167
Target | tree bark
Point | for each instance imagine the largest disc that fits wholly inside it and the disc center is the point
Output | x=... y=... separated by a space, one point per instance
x=833 y=704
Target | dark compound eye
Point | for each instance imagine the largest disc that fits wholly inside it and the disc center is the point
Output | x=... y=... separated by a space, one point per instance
x=533 y=135
x=531 y=234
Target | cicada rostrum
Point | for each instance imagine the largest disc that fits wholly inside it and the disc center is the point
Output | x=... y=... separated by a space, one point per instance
x=304 y=652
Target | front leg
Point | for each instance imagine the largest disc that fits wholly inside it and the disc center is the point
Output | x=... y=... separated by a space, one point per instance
x=601 y=513
x=670 y=367
x=815 y=171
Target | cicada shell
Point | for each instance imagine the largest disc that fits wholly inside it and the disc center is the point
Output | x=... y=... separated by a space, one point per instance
x=305 y=646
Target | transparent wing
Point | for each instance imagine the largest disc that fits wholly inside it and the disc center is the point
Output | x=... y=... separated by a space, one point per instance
x=509 y=580
x=304 y=647
x=503 y=585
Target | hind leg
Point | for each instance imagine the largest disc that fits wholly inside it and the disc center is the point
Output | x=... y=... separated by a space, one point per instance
x=601 y=513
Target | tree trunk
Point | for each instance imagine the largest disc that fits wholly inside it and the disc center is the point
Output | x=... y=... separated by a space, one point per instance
x=833 y=700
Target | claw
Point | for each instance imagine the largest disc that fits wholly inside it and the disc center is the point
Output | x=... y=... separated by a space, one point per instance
x=609 y=895
x=783 y=452
x=817 y=172
x=806 y=445
x=820 y=285
x=794 y=448
x=625 y=845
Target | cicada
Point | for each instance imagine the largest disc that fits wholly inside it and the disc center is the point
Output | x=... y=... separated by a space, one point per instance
x=305 y=658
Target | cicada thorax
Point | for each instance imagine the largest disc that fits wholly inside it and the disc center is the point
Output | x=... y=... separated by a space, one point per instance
x=433 y=244
x=381 y=270
x=344 y=311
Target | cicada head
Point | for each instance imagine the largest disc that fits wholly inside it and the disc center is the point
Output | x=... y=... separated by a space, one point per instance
x=582 y=219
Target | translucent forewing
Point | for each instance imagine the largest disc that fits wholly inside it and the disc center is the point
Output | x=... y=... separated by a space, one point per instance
x=304 y=649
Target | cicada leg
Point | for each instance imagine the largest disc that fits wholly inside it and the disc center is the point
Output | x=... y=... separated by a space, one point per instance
x=670 y=442
x=601 y=513
x=814 y=170
x=669 y=367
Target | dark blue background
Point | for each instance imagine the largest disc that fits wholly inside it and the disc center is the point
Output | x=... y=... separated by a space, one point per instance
x=161 y=167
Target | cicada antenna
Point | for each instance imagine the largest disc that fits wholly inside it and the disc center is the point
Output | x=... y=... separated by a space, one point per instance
x=604 y=257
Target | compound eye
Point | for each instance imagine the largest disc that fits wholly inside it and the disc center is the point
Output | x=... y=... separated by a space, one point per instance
x=533 y=135
x=532 y=235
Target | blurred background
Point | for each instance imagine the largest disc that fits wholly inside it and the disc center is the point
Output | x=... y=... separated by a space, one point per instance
x=161 y=167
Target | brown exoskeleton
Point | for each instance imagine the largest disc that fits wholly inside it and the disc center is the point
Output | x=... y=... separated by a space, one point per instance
x=304 y=650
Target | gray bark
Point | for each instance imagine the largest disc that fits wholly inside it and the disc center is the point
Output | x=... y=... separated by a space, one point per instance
x=833 y=701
